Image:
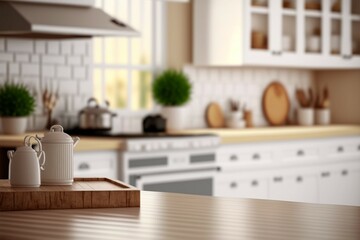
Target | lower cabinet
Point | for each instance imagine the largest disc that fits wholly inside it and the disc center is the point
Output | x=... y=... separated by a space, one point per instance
x=315 y=171
x=96 y=164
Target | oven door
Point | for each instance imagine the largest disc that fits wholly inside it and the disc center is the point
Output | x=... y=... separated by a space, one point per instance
x=199 y=182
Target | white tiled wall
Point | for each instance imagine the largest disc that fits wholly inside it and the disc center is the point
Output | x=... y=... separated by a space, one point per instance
x=244 y=84
x=38 y=63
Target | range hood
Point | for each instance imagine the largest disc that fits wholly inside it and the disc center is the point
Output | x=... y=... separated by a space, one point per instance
x=45 y=20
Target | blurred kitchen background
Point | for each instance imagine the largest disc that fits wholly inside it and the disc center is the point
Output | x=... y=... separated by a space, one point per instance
x=263 y=55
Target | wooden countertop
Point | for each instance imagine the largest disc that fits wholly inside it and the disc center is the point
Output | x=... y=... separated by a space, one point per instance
x=85 y=144
x=177 y=216
x=278 y=133
x=227 y=136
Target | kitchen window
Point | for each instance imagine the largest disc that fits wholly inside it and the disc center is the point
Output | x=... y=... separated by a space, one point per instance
x=124 y=67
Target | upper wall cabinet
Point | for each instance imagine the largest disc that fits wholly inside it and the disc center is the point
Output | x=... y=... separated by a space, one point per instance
x=315 y=34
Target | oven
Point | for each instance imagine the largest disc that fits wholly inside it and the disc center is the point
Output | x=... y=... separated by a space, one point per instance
x=186 y=170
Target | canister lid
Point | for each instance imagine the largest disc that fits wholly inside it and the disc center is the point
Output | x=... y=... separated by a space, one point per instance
x=56 y=135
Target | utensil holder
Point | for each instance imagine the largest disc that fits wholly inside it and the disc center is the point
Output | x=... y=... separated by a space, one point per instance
x=322 y=116
x=305 y=116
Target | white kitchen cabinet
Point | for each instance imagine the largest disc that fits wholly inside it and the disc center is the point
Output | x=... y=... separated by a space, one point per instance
x=235 y=32
x=96 y=164
x=318 y=170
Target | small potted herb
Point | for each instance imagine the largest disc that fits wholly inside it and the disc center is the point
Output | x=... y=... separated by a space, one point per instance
x=16 y=104
x=172 y=90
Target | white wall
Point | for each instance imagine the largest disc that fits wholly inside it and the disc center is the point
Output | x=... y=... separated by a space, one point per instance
x=245 y=84
x=38 y=63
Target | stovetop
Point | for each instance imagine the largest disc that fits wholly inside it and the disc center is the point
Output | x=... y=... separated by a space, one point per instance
x=98 y=133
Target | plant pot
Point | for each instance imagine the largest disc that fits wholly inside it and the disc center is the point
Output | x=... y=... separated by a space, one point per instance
x=176 y=118
x=14 y=125
x=305 y=116
x=322 y=116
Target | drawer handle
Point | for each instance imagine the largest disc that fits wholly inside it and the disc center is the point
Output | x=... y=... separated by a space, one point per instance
x=254 y=183
x=256 y=156
x=233 y=158
x=84 y=166
x=278 y=179
x=325 y=174
x=344 y=172
x=300 y=153
x=340 y=149
x=299 y=179
x=233 y=185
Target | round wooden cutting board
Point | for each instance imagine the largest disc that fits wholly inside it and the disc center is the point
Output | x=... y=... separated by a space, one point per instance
x=214 y=116
x=276 y=104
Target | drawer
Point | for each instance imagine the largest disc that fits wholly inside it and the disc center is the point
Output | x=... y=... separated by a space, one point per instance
x=298 y=153
x=253 y=188
x=241 y=157
x=339 y=149
x=102 y=164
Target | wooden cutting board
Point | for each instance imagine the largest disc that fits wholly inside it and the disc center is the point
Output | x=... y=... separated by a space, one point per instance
x=214 y=116
x=276 y=104
x=83 y=193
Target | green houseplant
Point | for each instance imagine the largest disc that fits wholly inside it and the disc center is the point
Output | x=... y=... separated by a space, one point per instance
x=172 y=90
x=16 y=104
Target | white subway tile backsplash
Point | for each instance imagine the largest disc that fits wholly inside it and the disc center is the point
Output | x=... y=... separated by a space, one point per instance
x=49 y=63
x=2 y=68
x=2 y=44
x=29 y=69
x=21 y=57
x=63 y=72
x=40 y=47
x=53 y=59
x=6 y=57
x=245 y=84
x=53 y=47
x=74 y=60
x=48 y=71
x=68 y=87
x=20 y=45
x=14 y=69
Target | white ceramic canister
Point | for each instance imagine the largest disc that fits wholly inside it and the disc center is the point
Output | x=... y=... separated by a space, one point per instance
x=59 y=150
x=305 y=116
x=322 y=116
x=25 y=164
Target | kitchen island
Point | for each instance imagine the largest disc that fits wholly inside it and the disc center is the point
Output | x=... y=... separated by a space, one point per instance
x=177 y=216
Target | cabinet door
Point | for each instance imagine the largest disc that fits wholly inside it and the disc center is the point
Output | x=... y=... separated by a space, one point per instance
x=298 y=188
x=226 y=185
x=340 y=186
x=256 y=188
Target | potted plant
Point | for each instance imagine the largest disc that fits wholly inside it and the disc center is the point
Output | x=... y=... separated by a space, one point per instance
x=172 y=90
x=16 y=104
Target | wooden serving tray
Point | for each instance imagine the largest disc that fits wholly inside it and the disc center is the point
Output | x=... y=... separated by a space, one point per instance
x=83 y=193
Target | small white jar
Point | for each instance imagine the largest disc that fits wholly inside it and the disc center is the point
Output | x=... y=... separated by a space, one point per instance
x=305 y=116
x=322 y=116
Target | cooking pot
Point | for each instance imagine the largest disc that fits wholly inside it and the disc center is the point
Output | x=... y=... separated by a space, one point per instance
x=95 y=117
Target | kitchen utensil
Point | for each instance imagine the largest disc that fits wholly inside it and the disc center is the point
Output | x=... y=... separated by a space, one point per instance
x=248 y=118
x=94 y=117
x=313 y=43
x=84 y=193
x=214 y=116
x=154 y=124
x=25 y=164
x=310 y=102
x=49 y=99
x=322 y=116
x=276 y=104
x=326 y=100
x=258 y=40
x=58 y=147
x=301 y=97
x=305 y=116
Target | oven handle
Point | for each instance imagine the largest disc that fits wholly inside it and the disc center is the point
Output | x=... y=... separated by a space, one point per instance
x=175 y=176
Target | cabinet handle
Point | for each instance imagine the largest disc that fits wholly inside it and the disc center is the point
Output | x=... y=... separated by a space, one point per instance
x=256 y=156
x=347 y=56
x=278 y=179
x=344 y=172
x=340 y=149
x=233 y=185
x=325 y=174
x=300 y=153
x=254 y=183
x=299 y=179
x=233 y=158
x=84 y=166
x=276 y=53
